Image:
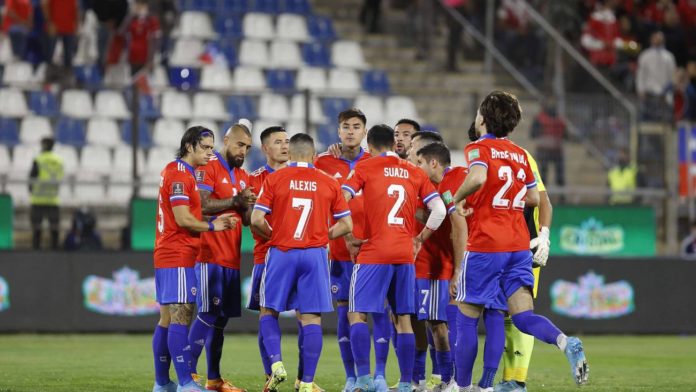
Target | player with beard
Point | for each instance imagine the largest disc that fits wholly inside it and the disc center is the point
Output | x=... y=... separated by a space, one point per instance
x=222 y=184
x=403 y=132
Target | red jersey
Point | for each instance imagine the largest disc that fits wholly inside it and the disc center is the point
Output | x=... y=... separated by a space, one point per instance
x=222 y=247
x=300 y=200
x=498 y=224
x=22 y=8
x=174 y=245
x=391 y=187
x=256 y=180
x=436 y=258
x=141 y=30
x=64 y=15
x=340 y=168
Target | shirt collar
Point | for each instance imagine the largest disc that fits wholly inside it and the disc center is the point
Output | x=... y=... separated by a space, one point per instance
x=268 y=168
x=300 y=164
x=389 y=154
x=352 y=163
x=226 y=165
x=187 y=166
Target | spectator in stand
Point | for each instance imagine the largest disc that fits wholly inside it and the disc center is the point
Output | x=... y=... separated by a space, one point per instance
x=601 y=36
x=370 y=15
x=688 y=245
x=623 y=180
x=62 y=21
x=167 y=13
x=111 y=14
x=690 y=110
x=549 y=132
x=454 y=41
x=656 y=67
x=675 y=36
x=143 y=33
x=45 y=176
x=16 y=23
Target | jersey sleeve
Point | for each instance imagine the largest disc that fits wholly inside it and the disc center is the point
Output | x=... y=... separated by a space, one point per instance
x=426 y=190
x=205 y=177
x=180 y=187
x=535 y=170
x=477 y=154
x=339 y=206
x=355 y=181
x=265 y=201
x=449 y=189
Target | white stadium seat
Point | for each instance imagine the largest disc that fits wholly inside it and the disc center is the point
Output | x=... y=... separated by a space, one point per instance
x=176 y=105
x=168 y=132
x=216 y=77
x=344 y=80
x=13 y=103
x=120 y=189
x=23 y=156
x=209 y=105
x=19 y=74
x=258 y=25
x=69 y=155
x=292 y=27
x=118 y=76
x=347 y=54
x=103 y=132
x=34 y=128
x=95 y=160
x=5 y=160
x=123 y=160
x=157 y=159
x=400 y=107
x=195 y=24
x=90 y=194
x=249 y=79
x=274 y=107
x=77 y=104
x=20 y=193
x=158 y=78
x=258 y=127
x=285 y=54
x=373 y=107
x=254 y=52
x=297 y=111
x=312 y=78
x=111 y=104
x=187 y=53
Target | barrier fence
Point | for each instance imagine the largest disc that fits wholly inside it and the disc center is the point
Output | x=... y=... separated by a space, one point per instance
x=114 y=292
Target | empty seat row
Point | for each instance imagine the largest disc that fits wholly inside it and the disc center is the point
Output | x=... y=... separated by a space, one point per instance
x=241 y=6
x=23 y=75
x=74 y=103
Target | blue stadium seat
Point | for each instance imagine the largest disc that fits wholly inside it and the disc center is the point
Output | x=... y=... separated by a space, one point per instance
x=9 y=132
x=255 y=159
x=229 y=26
x=333 y=106
x=282 y=80
x=241 y=107
x=234 y=6
x=204 y=5
x=376 y=82
x=88 y=76
x=148 y=109
x=184 y=78
x=70 y=131
x=184 y=5
x=327 y=134
x=301 y=7
x=266 y=6
x=43 y=103
x=321 y=28
x=229 y=50
x=315 y=54
x=144 y=136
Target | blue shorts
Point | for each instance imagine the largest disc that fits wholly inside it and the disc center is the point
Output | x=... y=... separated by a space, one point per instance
x=255 y=296
x=340 y=279
x=371 y=284
x=432 y=298
x=487 y=276
x=297 y=279
x=175 y=285
x=219 y=290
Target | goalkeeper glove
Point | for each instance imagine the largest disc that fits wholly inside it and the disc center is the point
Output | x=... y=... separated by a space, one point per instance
x=542 y=245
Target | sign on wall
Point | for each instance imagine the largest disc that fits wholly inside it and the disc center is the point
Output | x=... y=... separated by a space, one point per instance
x=603 y=231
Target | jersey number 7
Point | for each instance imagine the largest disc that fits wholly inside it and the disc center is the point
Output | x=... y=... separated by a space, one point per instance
x=306 y=206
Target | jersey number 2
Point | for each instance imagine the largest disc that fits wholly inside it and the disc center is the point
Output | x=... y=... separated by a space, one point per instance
x=306 y=206
x=399 y=192
x=499 y=201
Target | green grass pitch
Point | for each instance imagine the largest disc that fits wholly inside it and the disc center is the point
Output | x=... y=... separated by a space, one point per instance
x=123 y=363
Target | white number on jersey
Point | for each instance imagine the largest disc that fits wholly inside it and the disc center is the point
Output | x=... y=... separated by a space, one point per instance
x=399 y=192
x=160 y=221
x=499 y=201
x=306 y=206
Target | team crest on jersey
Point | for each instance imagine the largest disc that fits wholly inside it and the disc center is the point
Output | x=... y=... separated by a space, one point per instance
x=200 y=175
x=193 y=290
x=334 y=289
x=177 y=188
x=242 y=184
x=447 y=197
x=216 y=301
x=473 y=154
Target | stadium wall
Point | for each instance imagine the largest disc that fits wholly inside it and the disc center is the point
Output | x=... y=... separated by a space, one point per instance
x=114 y=292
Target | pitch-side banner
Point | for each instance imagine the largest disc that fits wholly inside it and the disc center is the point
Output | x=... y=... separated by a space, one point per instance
x=603 y=231
x=115 y=292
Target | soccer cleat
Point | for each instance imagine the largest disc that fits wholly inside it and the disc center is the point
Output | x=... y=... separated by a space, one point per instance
x=364 y=384
x=433 y=381
x=222 y=385
x=509 y=386
x=407 y=387
x=350 y=382
x=470 y=388
x=578 y=363
x=171 y=387
x=381 y=384
x=314 y=386
x=278 y=375
x=480 y=389
x=420 y=387
x=191 y=386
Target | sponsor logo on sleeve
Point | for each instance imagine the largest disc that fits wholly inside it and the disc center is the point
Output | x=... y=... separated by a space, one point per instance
x=177 y=188
x=473 y=154
x=200 y=175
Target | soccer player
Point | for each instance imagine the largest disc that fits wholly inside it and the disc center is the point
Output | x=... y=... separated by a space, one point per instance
x=391 y=187
x=351 y=131
x=222 y=185
x=403 y=130
x=179 y=222
x=435 y=262
x=499 y=185
x=299 y=200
